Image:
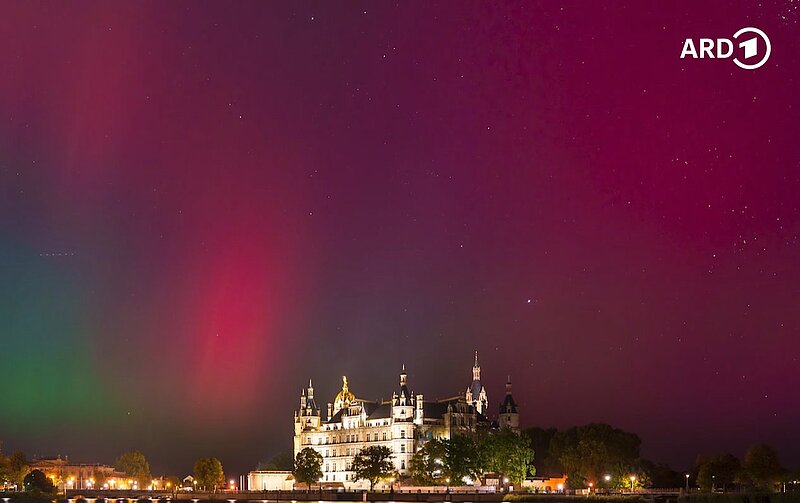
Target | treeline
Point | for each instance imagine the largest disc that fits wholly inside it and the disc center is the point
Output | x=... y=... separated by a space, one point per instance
x=607 y=457
x=442 y=461
x=16 y=472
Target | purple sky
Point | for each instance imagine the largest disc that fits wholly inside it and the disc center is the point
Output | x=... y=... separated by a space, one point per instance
x=204 y=204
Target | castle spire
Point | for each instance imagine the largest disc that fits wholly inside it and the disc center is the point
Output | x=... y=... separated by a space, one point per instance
x=404 y=394
x=476 y=369
x=476 y=393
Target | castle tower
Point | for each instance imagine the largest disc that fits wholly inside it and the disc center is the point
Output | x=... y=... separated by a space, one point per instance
x=402 y=434
x=476 y=393
x=419 y=413
x=307 y=417
x=509 y=415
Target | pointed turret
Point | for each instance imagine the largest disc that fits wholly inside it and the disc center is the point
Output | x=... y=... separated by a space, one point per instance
x=402 y=400
x=404 y=384
x=309 y=406
x=509 y=415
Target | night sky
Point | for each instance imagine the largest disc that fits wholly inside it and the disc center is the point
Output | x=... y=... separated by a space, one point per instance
x=203 y=205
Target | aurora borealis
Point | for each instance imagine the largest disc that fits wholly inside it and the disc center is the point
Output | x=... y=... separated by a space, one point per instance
x=202 y=205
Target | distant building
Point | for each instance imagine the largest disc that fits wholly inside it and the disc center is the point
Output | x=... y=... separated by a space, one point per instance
x=546 y=484
x=188 y=483
x=403 y=424
x=80 y=476
x=270 y=480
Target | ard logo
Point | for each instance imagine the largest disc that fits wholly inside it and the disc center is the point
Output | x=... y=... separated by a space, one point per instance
x=750 y=48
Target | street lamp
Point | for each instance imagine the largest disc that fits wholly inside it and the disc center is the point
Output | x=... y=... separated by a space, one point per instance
x=687 y=482
x=447 y=480
x=633 y=479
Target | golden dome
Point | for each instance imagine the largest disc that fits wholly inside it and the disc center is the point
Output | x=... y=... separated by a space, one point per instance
x=345 y=396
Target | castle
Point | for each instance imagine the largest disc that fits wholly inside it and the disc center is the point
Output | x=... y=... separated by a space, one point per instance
x=403 y=424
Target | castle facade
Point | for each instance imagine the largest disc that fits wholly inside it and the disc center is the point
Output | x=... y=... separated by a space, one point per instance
x=403 y=424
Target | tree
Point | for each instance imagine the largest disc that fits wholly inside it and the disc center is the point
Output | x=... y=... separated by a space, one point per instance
x=443 y=461
x=5 y=469
x=14 y=468
x=427 y=464
x=720 y=470
x=208 y=474
x=99 y=477
x=587 y=453
x=307 y=466
x=507 y=453
x=462 y=459
x=37 y=481
x=663 y=476
x=135 y=465
x=373 y=464
x=762 y=467
x=546 y=465
x=282 y=461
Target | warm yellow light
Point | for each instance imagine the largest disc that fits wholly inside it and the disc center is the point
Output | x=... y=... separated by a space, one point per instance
x=633 y=478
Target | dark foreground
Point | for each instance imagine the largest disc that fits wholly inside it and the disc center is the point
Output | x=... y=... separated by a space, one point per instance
x=364 y=496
